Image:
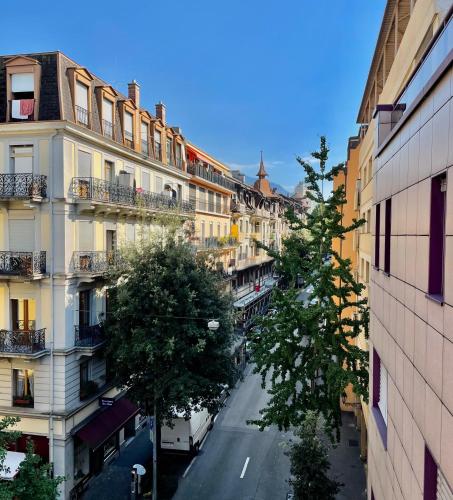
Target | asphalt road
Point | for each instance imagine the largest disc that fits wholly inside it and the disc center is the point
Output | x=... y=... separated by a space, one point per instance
x=237 y=461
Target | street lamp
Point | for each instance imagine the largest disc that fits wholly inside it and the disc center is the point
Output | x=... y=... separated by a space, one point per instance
x=213 y=325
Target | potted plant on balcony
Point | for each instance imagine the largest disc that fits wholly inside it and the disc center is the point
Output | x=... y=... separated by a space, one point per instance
x=24 y=400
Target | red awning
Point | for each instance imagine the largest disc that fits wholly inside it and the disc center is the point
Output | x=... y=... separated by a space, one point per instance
x=104 y=425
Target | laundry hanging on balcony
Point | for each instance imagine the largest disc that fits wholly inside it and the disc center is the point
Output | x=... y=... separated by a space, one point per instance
x=22 y=109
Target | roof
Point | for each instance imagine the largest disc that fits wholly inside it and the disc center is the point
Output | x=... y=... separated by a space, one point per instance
x=385 y=28
x=105 y=424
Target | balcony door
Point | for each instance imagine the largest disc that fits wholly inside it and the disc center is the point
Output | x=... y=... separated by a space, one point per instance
x=84 y=308
x=21 y=235
x=109 y=171
x=23 y=314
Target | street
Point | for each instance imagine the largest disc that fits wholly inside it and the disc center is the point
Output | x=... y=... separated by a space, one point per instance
x=237 y=461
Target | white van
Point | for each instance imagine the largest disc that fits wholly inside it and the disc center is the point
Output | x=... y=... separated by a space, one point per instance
x=187 y=433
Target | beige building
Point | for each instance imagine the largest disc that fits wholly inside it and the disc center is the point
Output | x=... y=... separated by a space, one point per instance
x=403 y=256
x=84 y=169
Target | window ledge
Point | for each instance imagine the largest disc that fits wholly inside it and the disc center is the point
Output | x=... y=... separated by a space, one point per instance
x=380 y=424
x=435 y=297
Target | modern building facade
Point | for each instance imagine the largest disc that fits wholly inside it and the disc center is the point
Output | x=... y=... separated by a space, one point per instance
x=84 y=169
x=404 y=253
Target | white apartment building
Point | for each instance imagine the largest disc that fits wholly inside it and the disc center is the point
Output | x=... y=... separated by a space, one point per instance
x=83 y=170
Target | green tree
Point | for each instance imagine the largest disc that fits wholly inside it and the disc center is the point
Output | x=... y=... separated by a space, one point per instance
x=308 y=345
x=34 y=480
x=161 y=347
x=310 y=464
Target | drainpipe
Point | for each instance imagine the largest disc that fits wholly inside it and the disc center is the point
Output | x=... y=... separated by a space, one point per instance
x=52 y=325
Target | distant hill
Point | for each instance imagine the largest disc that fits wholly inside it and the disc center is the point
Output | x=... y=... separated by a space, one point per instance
x=251 y=180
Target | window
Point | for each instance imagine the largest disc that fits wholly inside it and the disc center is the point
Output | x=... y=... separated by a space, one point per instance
x=388 y=235
x=203 y=231
x=169 y=150
x=107 y=117
x=84 y=164
x=368 y=221
x=437 y=236
x=146 y=181
x=193 y=194
x=202 y=199
x=218 y=230
x=88 y=387
x=23 y=388
x=23 y=314
x=377 y=235
x=211 y=229
x=85 y=308
x=367 y=272
x=144 y=136
x=157 y=145
x=128 y=129
x=380 y=384
x=22 y=96
x=109 y=171
x=81 y=104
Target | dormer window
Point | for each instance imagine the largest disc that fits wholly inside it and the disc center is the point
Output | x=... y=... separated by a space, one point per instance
x=81 y=104
x=23 y=78
x=178 y=156
x=128 y=129
x=107 y=117
x=157 y=145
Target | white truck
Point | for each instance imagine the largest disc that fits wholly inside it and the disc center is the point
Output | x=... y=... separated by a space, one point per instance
x=187 y=433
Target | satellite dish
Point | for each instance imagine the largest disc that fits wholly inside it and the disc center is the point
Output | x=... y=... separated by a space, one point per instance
x=141 y=471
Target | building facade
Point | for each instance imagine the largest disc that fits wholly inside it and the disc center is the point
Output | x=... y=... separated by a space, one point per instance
x=403 y=255
x=84 y=171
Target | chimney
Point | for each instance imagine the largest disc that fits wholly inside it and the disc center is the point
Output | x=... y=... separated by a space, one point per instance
x=161 y=112
x=133 y=92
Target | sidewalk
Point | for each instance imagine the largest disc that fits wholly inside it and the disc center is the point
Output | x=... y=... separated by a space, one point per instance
x=114 y=482
x=345 y=462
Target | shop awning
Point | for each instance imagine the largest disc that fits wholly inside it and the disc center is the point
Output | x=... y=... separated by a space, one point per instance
x=104 y=425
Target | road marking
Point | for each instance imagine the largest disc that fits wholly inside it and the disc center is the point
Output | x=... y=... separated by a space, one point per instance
x=215 y=418
x=245 y=468
x=188 y=468
x=204 y=440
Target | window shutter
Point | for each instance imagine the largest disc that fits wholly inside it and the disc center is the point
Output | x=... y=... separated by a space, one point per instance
x=82 y=95
x=86 y=236
x=21 y=235
x=443 y=490
x=23 y=82
x=146 y=181
x=84 y=166
x=128 y=122
x=107 y=110
x=383 y=393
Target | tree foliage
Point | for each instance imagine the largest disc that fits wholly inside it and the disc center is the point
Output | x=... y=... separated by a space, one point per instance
x=308 y=346
x=310 y=464
x=34 y=480
x=160 y=344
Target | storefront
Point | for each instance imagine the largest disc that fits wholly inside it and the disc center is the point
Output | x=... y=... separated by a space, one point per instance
x=98 y=441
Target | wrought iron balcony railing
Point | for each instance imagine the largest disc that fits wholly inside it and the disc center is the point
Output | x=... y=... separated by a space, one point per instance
x=88 y=336
x=22 y=341
x=23 y=186
x=200 y=171
x=107 y=128
x=91 y=188
x=22 y=263
x=214 y=242
x=82 y=116
x=93 y=261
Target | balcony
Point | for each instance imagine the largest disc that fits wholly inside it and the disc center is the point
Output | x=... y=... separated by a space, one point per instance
x=89 y=336
x=23 y=342
x=23 y=186
x=200 y=171
x=211 y=206
x=100 y=193
x=93 y=262
x=26 y=264
x=82 y=116
x=215 y=243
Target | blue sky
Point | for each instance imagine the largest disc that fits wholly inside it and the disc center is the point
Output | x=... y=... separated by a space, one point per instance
x=237 y=76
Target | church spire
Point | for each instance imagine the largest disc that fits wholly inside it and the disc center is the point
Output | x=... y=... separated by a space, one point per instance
x=262 y=171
